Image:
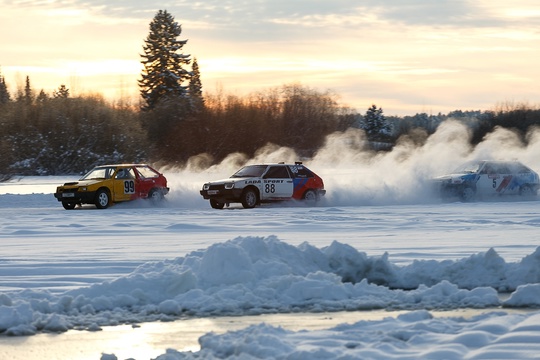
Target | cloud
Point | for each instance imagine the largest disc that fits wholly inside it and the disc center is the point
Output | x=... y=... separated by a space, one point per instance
x=404 y=55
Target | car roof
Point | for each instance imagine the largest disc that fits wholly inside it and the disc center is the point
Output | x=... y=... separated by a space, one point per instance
x=122 y=165
x=279 y=163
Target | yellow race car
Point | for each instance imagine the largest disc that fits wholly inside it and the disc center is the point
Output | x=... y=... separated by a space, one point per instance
x=108 y=184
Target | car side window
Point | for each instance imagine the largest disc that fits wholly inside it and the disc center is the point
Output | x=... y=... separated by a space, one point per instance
x=520 y=169
x=488 y=169
x=109 y=172
x=146 y=172
x=125 y=174
x=277 y=172
x=300 y=172
x=503 y=169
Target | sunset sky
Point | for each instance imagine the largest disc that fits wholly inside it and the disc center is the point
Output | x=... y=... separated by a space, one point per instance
x=406 y=56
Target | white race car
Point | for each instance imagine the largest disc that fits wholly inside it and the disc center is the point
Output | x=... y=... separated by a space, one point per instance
x=485 y=178
x=255 y=184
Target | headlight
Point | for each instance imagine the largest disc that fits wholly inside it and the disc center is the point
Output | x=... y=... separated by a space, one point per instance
x=206 y=187
x=229 y=186
x=83 y=188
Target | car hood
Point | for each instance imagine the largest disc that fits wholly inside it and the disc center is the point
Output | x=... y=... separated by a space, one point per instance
x=83 y=182
x=229 y=180
x=458 y=177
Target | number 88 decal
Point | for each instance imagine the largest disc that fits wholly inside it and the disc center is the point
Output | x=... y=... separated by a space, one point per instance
x=129 y=187
x=270 y=188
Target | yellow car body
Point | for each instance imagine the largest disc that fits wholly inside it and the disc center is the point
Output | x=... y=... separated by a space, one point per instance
x=108 y=184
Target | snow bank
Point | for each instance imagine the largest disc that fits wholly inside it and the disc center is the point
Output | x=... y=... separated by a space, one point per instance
x=415 y=335
x=256 y=275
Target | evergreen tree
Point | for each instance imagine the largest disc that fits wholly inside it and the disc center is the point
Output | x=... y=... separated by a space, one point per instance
x=4 y=93
x=61 y=93
x=42 y=96
x=163 y=73
x=376 y=126
x=28 y=93
x=195 y=88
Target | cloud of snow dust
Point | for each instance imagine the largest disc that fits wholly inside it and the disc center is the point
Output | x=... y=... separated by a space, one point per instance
x=355 y=175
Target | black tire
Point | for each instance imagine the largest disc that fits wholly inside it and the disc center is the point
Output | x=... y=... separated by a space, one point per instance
x=310 y=197
x=68 y=205
x=216 y=204
x=526 y=191
x=155 y=196
x=103 y=199
x=468 y=194
x=249 y=198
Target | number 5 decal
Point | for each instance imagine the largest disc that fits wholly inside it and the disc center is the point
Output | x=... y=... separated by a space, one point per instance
x=129 y=187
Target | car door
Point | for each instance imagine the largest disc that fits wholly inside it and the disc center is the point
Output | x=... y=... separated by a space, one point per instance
x=494 y=179
x=124 y=185
x=487 y=179
x=506 y=182
x=277 y=183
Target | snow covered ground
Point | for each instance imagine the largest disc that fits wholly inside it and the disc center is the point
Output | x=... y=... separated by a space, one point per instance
x=377 y=242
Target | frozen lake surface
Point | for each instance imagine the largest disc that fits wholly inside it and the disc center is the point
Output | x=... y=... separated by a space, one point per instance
x=132 y=269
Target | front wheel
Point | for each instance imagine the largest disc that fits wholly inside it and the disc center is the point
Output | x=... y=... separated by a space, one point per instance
x=68 y=205
x=468 y=194
x=216 y=204
x=103 y=199
x=249 y=199
x=526 y=191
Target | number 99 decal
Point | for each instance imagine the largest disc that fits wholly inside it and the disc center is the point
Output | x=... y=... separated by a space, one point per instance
x=129 y=187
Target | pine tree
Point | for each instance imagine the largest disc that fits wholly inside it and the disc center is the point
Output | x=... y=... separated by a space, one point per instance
x=61 y=93
x=195 y=88
x=28 y=93
x=163 y=73
x=4 y=93
x=42 y=97
x=376 y=126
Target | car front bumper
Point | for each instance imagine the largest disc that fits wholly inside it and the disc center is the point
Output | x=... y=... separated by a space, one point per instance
x=222 y=195
x=77 y=197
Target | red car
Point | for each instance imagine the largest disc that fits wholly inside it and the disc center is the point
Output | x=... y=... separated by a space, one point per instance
x=108 y=184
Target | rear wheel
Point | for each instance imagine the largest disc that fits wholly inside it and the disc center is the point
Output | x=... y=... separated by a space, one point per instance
x=216 y=204
x=249 y=198
x=155 y=196
x=310 y=197
x=103 y=199
x=68 y=205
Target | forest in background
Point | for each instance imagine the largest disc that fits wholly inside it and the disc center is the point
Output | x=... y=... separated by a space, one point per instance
x=174 y=121
x=56 y=134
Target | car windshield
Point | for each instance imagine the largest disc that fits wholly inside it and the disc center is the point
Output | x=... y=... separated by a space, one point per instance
x=470 y=167
x=99 y=173
x=250 y=171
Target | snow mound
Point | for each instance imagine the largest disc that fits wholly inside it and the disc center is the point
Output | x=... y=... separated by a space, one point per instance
x=256 y=275
x=414 y=335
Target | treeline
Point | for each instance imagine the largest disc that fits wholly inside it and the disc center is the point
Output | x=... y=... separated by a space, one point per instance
x=58 y=134
x=292 y=115
x=64 y=135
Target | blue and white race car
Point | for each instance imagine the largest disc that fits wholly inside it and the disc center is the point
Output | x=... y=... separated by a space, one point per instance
x=487 y=178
